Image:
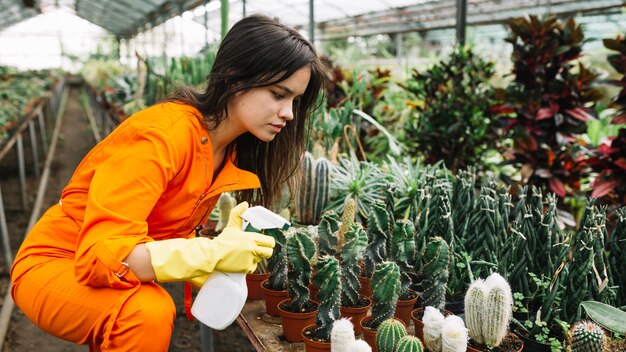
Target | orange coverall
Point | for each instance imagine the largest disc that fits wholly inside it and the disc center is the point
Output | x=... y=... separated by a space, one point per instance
x=150 y=179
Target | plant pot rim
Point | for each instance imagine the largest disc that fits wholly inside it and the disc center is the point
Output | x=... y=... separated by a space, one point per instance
x=368 y=305
x=306 y=338
x=421 y=309
x=300 y=315
x=266 y=281
x=369 y=317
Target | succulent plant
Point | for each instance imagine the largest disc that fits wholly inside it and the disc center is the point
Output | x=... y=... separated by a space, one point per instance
x=378 y=231
x=327 y=233
x=483 y=241
x=388 y=334
x=403 y=252
x=342 y=335
x=351 y=254
x=453 y=334
x=386 y=290
x=300 y=250
x=587 y=336
x=347 y=219
x=433 y=323
x=277 y=263
x=617 y=258
x=328 y=279
x=488 y=310
x=409 y=344
x=314 y=189
x=435 y=263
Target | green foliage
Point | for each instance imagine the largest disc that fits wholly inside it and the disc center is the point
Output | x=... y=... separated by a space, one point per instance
x=379 y=230
x=609 y=317
x=327 y=233
x=386 y=290
x=328 y=279
x=351 y=255
x=586 y=336
x=403 y=251
x=435 y=263
x=389 y=334
x=277 y=263
x=454 y=123
x=300 y=250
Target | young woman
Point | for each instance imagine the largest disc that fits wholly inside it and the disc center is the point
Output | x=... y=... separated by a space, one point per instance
x=86 y=271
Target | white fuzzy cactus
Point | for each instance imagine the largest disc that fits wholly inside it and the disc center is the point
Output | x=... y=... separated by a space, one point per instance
x=433 y=321
x=488 y=309
x=453 y=335
x=342 y=335
x=358 y=346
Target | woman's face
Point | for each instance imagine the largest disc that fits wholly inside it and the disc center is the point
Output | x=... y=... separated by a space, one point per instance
x=265 y=111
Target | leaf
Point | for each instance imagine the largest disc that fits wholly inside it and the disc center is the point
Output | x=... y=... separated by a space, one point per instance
x=602 y=188
x=609 y=317
x=621 y=162
x=579 y=114
x=614 y=44
x=394 y=146
x=544 y=113
x=557 y=187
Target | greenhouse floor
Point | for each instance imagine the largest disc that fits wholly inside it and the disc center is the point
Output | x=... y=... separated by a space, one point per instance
x=75 y=140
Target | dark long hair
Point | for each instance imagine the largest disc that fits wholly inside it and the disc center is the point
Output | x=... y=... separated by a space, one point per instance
x=259 y=51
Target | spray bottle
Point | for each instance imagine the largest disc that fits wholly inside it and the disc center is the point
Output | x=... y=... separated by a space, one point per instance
x=223 y=295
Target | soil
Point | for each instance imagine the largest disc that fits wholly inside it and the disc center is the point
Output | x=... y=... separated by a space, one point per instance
x=510 y=343
x=75 y=140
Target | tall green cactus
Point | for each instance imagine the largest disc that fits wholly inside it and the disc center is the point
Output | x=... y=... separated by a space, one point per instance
x=388 y=334
x=386 y=290
x=586 y=336
x=314 y=189
x=409 y=344
x=327 y=233
x=351 y=254
x=300 y=250
x=378 y=231
x=435 y=263
x=328 y=279
x=463 y=200
x=488 y=310
x=483 y=241
x=617 y=254
x=277 y=263
x=403 y=252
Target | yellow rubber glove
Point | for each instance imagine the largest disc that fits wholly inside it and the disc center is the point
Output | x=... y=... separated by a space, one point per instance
x=232 y=251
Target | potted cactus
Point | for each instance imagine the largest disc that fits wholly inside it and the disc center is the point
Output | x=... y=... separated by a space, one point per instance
x=389 y=334
x=586 y=336
x=444 y=333
x=315 y=189
x=488 y=310
x=342 y=338
x=386 y=290
x=327 y=231
x=378 y=233
x=409 y=344
x=275 y=287
x=435 y=263
x=298 y=311
x=353 y=304
x=328 y=278
x=403 y=252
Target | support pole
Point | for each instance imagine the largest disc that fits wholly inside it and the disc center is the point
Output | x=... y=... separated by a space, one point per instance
x=312 y=21
x=22 y=171
x=34 y=147
x=243 y=3
x=206 y=25
x=461 y=21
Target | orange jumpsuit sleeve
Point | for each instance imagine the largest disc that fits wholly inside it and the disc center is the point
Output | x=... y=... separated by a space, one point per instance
x=124 y=189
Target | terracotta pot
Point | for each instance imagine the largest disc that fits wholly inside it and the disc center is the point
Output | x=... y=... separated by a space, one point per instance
x=369 y=335
x=404 y=309
x=312 y=345
x=356 y=314
x=272 y=298
x=366 y=287
x=416 y=315
x=253 y=281
x=294 y=323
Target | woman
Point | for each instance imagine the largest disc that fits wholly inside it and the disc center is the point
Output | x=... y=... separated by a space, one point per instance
x=86 y=271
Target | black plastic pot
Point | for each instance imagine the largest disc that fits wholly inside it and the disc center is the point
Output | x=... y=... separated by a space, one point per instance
x=531 y=345
x=456 y=304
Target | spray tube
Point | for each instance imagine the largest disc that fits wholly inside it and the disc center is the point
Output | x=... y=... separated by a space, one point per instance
x=223 y=295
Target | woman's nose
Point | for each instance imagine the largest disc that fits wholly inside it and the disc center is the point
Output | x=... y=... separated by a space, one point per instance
x=286 y=112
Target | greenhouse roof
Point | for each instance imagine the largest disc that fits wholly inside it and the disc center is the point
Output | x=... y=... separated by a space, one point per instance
x=333 y=18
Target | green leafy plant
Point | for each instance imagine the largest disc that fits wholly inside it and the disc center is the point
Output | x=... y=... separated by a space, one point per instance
x=388 y=334
x=609 y=317
x=300 y=250
x=328 y=279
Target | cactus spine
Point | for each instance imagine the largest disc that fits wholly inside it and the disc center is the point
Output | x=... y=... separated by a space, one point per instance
x=378 y=229
x=433 y=323
x=315 y=189
x=403 y=252
x=328 y=279
x=488 y=308
x=277 y=263
x=453 y=335
x=300 y=249
x=409 y=344
x=435 y=263
x=386 y=290
x=347 y=219
x=342 y=335
x=586 y=336
x=389 y=333
x=351 y=255
x=327 y=233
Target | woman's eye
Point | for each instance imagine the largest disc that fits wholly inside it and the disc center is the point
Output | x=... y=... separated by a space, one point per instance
x=277 y=95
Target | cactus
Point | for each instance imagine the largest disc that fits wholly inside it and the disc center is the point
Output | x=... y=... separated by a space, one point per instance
x=359 y=346
x=409 y=344
x=347 y=219
x=488 y=308
x=225 y=204
x=435 y=263
x=300 y=250
x=351 y=255
x=314 y=189
x=277 y=263
x=388 y=334
x=433 y=323
x=327 y=233
x=403 y=252
x=483 y=241
x=378 y=229
x=453 y=335
x=617 y=257
x=328 y=279
x=386 y=290
x=342 y=335
x=586 y=336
